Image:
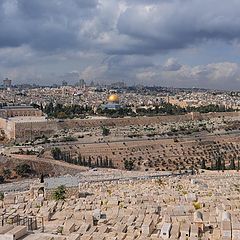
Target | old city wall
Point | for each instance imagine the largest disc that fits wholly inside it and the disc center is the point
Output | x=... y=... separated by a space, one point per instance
x=3 y=123
x=207 y=116
x=31 y=130
x=9 y=128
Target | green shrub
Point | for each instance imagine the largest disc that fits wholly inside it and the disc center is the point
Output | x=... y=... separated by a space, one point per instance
x=60 y=193
x=1 y=196
x=23 y=169
x=2 y=179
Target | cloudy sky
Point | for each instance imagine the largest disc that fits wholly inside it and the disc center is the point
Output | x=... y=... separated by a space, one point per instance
x=180 y=43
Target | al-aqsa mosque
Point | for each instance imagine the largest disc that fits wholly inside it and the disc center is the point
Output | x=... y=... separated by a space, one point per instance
x=113 y=103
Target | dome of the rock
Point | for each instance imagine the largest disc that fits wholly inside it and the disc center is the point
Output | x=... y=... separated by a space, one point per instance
x=113 y=98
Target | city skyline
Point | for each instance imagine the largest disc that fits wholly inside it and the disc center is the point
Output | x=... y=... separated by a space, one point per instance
x=168 y=43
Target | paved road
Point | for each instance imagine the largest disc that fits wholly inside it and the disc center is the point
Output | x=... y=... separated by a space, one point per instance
x=73 y=181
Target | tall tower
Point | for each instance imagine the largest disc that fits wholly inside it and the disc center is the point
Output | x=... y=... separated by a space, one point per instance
x=7 y=83
x=168 y=98
x=82 y=83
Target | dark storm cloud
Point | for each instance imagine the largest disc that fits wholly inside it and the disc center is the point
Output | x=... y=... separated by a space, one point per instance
x=148 y=27
x=120 y=39
x=87 y=4
x=179 y=24
x=145 y=2
x=44 y=25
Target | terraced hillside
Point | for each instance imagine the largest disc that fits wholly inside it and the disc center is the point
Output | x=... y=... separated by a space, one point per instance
x=164 y=154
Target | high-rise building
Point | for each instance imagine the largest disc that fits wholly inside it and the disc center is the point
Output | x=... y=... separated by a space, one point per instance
x=82 y=83
x=7 y=83
x=64 y=83
x=118 y=85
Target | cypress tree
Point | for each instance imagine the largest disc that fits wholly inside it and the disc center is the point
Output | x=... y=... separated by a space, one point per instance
x=223 y=164
x=75 y=161
x=80 y=159
x=219 y=163
x=106 y=162
x=110 y=163
x=203 y=164
x=89 y=162
x=238 y=166
x=212 y=165
x=84 y=161
x=216 y=165
x=63 y=157
x=232 y=164
x=97 y=163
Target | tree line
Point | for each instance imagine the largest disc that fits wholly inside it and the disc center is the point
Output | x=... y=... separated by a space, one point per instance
x=102 y=162
x=61 y=111
x=219 y=164
x=22 y=170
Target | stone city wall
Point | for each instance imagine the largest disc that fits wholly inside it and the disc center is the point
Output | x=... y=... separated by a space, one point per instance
x=32 y=130
x=8 y=127
x=207 y=116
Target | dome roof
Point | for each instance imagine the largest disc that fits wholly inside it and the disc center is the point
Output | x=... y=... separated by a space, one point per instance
x=113 y=98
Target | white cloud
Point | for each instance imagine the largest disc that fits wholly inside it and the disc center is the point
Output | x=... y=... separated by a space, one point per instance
x=215 y=75
x=172 y=65
x=93 y=73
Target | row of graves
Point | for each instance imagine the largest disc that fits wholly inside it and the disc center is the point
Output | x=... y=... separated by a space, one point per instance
x=184 y=207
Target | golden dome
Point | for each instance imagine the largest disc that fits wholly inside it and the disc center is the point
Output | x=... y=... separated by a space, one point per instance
x=113 y=98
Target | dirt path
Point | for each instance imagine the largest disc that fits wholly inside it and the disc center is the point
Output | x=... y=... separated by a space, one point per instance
x=35 y=159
